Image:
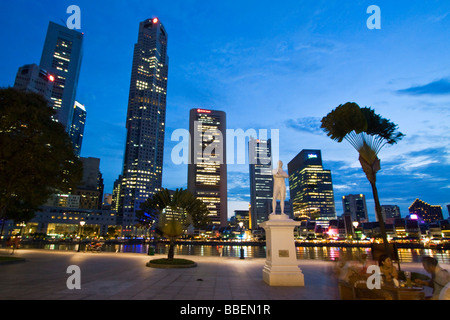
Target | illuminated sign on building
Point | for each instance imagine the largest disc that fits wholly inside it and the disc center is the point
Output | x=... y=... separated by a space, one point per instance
x=203 y=111
x=312 y=156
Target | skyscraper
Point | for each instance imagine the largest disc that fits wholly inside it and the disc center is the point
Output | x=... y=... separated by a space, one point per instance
x=355 y=204
x=207 y=169
x=146 y=117
x=32 y=78
x=61 y=57
x=77 y=128
x=261 y=179
x=310 y=187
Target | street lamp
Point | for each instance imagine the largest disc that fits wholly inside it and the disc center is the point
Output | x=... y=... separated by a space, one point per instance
x=355 y=225
x=241 y=224
x=79 y=241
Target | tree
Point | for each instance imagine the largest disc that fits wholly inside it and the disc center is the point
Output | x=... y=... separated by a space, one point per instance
x=367 y=132
x=36 y=155
x=173 y=213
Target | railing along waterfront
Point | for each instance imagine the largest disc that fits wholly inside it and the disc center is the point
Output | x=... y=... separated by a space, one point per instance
x=328 y=251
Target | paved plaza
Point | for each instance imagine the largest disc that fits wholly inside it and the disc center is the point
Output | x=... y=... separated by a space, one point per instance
x=125 y=276
x=104 y=275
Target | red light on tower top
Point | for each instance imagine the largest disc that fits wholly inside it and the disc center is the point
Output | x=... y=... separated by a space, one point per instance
x=155 y=20
x=51 y=78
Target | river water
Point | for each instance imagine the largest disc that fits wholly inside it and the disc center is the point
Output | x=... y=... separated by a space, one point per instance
x=319 y=253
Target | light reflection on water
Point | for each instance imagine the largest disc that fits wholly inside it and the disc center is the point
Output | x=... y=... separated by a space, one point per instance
x=319 y=253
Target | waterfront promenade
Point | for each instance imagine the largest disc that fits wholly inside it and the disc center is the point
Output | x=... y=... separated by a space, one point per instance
x=125 y=276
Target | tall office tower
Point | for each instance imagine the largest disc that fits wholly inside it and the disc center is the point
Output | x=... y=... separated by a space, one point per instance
x=310 y=187
x=355 y=204
x=390 y=213
x=146 y=117
x=426 y=212
x=77 y=128
x=61 y=57
x=261 y=179
x=32 y=78
x=207 y=169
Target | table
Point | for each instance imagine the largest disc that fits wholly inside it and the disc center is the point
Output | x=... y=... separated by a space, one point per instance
x=405 y=293
x=359 y=291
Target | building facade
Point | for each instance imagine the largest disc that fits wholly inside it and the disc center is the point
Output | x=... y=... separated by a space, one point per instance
x=390 y=213
x=261 y=180
x=207 y=169
x=355 y=204
x=32 y=78
x=311 y=188
x=61 y=57
x=91 y=187
x=142 y=170
x=425 y=212
x=77 y=128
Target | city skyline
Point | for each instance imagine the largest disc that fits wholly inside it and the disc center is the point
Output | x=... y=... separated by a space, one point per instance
x=268 y=66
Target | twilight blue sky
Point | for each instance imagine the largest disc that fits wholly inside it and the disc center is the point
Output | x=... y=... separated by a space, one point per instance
x=269 y=65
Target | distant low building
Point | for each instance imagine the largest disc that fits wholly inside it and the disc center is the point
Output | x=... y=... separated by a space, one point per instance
x=65 y=222
x=390 y=213
x=355 y=204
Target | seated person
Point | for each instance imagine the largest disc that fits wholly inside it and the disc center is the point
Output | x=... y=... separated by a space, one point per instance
x=388 y=270
x=439 y=277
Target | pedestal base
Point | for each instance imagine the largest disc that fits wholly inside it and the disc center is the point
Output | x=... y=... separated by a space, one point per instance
x=283 y=276
x=281 y=268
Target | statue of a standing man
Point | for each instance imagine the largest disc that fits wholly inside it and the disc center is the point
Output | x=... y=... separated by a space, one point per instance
x=279 y=187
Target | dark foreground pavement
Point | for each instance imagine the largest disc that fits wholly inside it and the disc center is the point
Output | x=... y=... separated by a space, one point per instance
x=125 y=276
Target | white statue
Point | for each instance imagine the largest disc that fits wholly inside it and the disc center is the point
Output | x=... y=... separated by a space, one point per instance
x=279 y=187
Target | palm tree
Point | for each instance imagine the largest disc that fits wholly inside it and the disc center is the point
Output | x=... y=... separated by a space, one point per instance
x=173 y=213
x=368 y=133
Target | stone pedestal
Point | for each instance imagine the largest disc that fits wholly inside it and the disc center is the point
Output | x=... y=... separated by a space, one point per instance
x=281 y=268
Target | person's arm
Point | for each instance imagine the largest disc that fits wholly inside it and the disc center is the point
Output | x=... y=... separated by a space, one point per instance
x=394 y=273
x=424 y=282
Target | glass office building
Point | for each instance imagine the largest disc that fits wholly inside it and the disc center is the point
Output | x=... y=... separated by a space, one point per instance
x=207 y=169
x=61 y=58
x=261 y=180
x=77 y=128
x=146 y=116
x=311 y=188
x=355 y=205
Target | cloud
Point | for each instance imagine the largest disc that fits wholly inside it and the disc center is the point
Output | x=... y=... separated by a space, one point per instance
x=439 y=18
x=306 y=124
x=238 y=185
x=438 y=87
